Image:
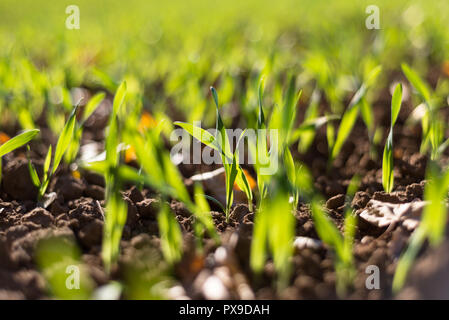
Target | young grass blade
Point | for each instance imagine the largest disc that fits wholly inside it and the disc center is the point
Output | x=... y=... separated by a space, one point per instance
x=18 y=141
x=351 y=113
x=433 y=221
x=204 y=137
x=32 y=170
x=119 y=98
x=417 y=82
x=241 y=179
x=112 y=139
x=174 y=179
x=387 y=162
x=289 y=166
x=64 y=139
x=116 y=212
x=396 y=103
x=346 y=125
x=91 y=106
x=307 y=136
x=261 y=116
x=171 y=236
x=407 y=258
x=326 y=229
x=289 y=110
x=203 y=211
x=243 y=184
x=221 y=135
x=47 y=163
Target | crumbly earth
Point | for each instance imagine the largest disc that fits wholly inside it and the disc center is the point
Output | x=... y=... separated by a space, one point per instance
x=77 y=212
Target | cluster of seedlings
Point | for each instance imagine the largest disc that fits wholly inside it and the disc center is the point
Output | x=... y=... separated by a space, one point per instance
x=276 y=196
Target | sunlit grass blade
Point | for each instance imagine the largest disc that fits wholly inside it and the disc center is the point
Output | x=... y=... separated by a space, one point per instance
x=407 y=258
x=417 y=82
x=32 y=170
x=274 y=233
x=92 y=105
x=171 y=236
x=387 y=162
x=204 y=137
x=433 y=222
x=345 y=128
x=116 y=212
x=64 y=139
x=18 y=141
x=59 y=260
x=221 y=134
x=350 y=116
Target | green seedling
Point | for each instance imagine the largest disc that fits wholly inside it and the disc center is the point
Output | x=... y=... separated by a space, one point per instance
x=342 y=245
x=350 y=116
x=387 y=162
x=260 y=151
x=432 y=225
x=307 y=136
x=59 y=260
x=16 y=142
x=158 y=172
x=51 y=164
x=283 y=117
x=291 y=169
x=90 y=107
x=274 y=230
x=220 y=143
x=116 y=208
x=366 y=111
x=432 y=125
x=171 y=236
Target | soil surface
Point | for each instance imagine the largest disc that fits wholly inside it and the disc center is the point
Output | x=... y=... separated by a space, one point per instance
x=77 y=213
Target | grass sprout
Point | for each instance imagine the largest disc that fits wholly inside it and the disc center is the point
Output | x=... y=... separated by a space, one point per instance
x=432 y=125
x=52 y=163
x=342 y=245
x=387 y=162
x=350 y=116
x=91 y=106
x=16 y=142
x=116 y=208
x=274 y=231
x=432 y=224
x=220 y=142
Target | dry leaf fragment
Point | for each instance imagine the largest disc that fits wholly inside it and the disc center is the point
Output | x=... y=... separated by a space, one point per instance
x=383 y=214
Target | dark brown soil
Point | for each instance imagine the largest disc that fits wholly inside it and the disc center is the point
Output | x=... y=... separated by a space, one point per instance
x=77 y=212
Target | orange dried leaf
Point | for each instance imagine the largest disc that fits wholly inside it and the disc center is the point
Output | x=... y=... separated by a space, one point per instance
x=130 y=154
x=76 y=174
x=445 y=67
x=3 y=138
x=146 y=122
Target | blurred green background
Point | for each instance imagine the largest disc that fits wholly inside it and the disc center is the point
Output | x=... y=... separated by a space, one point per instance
x=171 y=51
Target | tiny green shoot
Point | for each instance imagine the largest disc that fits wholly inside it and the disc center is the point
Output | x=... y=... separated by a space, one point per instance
x=387 y=162
x=52 y=164
x=16 y=142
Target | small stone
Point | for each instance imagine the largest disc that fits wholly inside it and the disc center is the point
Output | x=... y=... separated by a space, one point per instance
x=69 y=187
x=134 y=194
x=91 y=234
x=148 y=208
x=336 y=202
x=39 y=216
x=239 y=212
x=94 y=191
